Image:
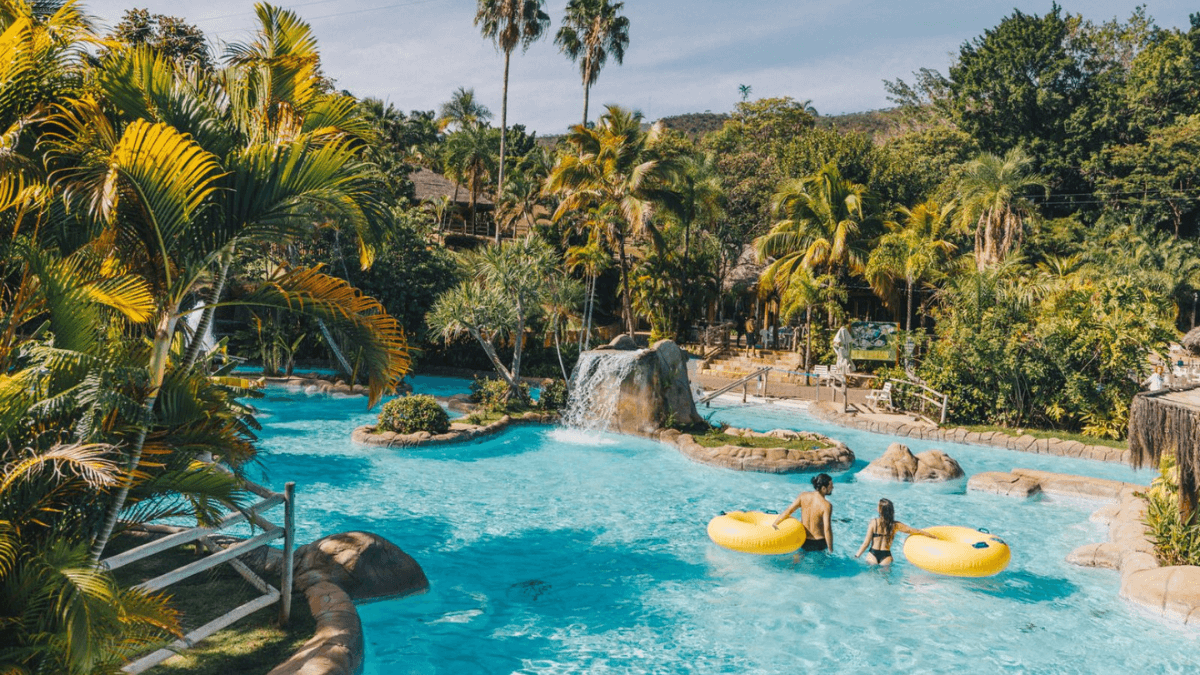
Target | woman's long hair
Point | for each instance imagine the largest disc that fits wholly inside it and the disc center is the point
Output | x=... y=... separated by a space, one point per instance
x=887 y=517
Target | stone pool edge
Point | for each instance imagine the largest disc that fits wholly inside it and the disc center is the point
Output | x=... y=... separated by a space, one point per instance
x=828 y=412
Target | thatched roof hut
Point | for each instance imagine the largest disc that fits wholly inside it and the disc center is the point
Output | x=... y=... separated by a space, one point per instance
x=1169 y=421
x=429 y=185
x=743 y=276
x=1191 y=341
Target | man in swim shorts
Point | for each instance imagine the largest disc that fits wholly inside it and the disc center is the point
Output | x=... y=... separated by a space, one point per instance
x=816 y=514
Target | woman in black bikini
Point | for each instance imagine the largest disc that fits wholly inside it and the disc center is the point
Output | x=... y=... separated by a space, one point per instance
x=881 y=532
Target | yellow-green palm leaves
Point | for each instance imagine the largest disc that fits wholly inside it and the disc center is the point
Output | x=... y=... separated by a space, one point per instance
x=823 y=221
x=913 y=251
x=992 y=194
x=610 y=172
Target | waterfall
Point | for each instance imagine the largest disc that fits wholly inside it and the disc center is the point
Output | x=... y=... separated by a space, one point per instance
x=596 y=388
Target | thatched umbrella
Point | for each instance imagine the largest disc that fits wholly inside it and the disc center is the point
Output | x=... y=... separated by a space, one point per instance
x=1191 y=341
x=1169 y=421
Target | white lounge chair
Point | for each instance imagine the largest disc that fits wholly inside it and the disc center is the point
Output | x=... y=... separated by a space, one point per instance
x=881 y=398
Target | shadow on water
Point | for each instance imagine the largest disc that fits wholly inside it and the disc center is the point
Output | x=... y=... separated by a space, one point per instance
x=1023 y=586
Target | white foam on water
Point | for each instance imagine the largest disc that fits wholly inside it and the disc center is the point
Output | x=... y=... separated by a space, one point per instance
x=596 y=388
x=580 y=437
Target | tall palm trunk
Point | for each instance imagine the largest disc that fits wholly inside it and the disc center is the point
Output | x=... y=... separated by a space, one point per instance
x=503 y=137
x=587 y=335
x=908 y=315
x=587 y=85
x=561 y=366
x=158 y=369
x=808 y=343
x=206 y=317
x=626 y=304
x=333 y=347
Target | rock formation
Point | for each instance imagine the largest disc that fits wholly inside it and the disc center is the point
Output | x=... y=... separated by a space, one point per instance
x=628 y=390
x=898 y=463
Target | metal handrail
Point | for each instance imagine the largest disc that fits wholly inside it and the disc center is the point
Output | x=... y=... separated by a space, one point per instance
x=761 y=371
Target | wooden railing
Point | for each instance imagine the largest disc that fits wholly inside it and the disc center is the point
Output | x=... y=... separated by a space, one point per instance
x=933 y=402
x=203 y=535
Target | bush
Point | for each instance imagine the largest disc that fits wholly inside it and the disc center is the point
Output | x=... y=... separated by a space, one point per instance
x=492 y=395
x=410 y=414
x=1175 y=542
x=554 y=395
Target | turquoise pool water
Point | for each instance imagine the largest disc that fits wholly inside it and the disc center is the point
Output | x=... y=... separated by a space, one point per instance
x=549 y=552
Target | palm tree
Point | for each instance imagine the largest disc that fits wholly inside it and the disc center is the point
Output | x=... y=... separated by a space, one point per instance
x=470 y=156
x=823 y=227
x=463 y=111
x=744 y=90
x=504 y=290
x=560 y=306
x=991 y=193
x=176 y=211
x=509 y=23
x=592 y=259
x=611 y=174
x=696 y=199
x=591 y=31
x=913 y=250
x=60 y=614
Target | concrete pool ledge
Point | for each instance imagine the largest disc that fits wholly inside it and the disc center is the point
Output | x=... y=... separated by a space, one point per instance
x=831 y=412
x=1169 y=592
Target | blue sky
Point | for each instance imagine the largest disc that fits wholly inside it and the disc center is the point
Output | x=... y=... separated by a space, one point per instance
x=684 y=55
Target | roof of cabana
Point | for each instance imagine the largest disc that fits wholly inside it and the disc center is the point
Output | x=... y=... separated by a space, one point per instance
x=1168 y=421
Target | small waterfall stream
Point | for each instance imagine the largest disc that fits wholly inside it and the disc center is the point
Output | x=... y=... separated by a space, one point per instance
x=596 y=388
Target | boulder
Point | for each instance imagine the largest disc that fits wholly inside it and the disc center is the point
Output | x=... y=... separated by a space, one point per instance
x=365 y=565
x=1002 y=483
x=898 y=463
x=935 y=466
x=621 y=343
x=644 y=389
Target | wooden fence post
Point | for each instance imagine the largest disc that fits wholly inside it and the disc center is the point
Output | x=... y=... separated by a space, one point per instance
x=289 y=544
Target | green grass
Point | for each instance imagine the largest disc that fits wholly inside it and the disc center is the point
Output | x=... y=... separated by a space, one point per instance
x=716 y=439
x=252 y=646
x=484 y=418
x=1049 y=433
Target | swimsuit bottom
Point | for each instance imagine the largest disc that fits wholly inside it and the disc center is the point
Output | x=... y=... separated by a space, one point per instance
x=814 y=545
x=880 y=556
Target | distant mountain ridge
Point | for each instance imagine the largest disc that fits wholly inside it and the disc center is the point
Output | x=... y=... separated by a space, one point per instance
x=878 y=124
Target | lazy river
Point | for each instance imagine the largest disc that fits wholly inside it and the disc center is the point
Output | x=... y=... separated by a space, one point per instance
x=550 y=551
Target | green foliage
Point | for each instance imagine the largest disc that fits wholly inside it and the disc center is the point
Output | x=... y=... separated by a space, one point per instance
x=410 y=414
x=554 y=395
x=166 y=35
x=1016 y=347
x=1175 y=542
x=495 y=395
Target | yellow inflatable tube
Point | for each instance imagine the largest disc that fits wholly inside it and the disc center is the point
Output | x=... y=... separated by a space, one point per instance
x=751 y=532
x=959 y=552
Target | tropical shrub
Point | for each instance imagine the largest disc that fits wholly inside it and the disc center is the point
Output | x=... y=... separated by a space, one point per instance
x=1019 y=348
x=410 y=414
x=554 y=395
x=1175 y=542
x=495 y=395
